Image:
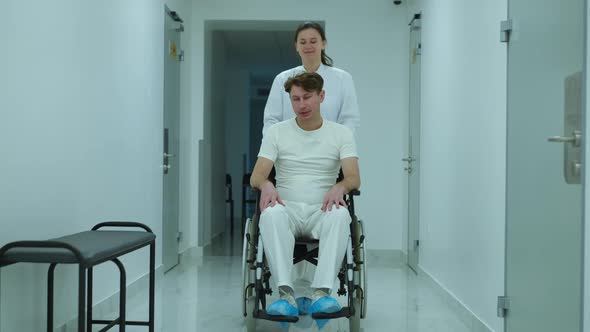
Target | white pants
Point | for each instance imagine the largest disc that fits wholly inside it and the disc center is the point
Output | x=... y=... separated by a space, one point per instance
x=280 y=225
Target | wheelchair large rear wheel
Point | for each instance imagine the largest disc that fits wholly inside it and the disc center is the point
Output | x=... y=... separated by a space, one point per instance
x=246 y=290
x=354 y=321
x=362 y=295
x=250 y=321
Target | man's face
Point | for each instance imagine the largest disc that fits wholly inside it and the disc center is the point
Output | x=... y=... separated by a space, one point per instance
x=306 y=104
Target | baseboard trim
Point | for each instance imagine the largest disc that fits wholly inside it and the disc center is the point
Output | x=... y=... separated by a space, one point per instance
x=465 y=315
x=109 y=305
x=386 y=257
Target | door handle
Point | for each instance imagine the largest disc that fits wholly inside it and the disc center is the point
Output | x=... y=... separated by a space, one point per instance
x=575 y=139
x=409 y=159
x=169 y=155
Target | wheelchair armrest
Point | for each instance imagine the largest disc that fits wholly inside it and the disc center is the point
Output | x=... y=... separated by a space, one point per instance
x=354 y=192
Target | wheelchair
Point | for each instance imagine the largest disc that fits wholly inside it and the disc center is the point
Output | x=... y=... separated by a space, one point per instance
x=256 y=272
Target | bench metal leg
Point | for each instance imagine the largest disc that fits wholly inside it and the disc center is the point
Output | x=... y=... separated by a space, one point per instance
x=122 y=295
x=122 y=320
x=85 y=285
x=50 y=297
x=89 y=302
x=152 y=285
x=81 y=298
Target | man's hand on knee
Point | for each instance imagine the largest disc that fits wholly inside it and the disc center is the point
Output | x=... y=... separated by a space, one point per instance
x=269 y=196
x=335 y=197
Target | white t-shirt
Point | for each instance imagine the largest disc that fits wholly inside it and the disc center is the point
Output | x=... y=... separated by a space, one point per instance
x=307 y=163
x=339 y=105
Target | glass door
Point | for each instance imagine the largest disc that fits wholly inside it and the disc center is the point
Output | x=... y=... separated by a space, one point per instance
x=544 y=201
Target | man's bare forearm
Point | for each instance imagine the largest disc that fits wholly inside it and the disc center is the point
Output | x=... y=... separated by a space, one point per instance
x=260 y=173
x=257 y=181
x=350 y=183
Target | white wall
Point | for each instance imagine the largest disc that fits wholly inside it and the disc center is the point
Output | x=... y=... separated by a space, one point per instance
x=585 y=311
x=369 y=42
x=81 y=94
x=463 y=151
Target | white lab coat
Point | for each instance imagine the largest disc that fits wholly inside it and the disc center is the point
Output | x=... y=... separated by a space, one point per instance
x=340 y=104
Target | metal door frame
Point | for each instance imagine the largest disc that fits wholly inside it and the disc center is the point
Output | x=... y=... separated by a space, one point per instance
x=169 y=14
x=413 y=242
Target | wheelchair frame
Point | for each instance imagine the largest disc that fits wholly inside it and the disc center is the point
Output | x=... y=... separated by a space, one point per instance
x=256 y=273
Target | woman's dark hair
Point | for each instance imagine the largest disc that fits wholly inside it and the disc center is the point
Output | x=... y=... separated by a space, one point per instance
x=326 y=60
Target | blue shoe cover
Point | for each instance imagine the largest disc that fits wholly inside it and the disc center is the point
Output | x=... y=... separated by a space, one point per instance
x=282 y=307
x=303 y=304
x=325 y=305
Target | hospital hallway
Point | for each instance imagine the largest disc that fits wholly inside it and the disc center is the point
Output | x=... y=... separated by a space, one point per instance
x=468 y=142
x=203 y=294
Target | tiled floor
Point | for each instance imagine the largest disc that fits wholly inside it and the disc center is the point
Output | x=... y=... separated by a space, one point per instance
x=204 y=294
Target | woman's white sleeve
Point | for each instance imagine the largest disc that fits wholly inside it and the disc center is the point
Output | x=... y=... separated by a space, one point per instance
x=273 y=111
x=349 y=115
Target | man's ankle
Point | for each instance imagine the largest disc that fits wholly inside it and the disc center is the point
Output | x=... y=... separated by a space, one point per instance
x=287 y=293
x=320 y=292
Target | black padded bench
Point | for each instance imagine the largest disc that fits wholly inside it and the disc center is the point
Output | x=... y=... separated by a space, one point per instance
x=88 y=249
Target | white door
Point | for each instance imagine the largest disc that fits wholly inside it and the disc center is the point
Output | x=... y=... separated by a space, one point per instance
x=543 y=191
x=413 y=159
x=170 y=234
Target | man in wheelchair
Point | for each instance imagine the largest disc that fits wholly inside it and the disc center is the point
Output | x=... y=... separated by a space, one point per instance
x=307 y=153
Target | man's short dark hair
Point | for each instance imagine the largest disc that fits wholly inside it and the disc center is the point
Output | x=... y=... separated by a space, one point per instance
x=307 y=81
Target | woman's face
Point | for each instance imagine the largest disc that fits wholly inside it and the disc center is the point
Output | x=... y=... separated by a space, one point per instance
x=309 y=44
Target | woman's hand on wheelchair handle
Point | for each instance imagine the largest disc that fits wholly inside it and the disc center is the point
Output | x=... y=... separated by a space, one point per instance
x=334 y=197
x=269 y=196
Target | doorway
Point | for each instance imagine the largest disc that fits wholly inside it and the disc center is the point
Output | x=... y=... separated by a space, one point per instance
x=241 y=60
x=413 y=159
x=171 y=136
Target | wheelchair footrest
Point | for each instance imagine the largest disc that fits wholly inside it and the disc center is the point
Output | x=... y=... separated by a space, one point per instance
x=344 y=312
x=261 y=314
